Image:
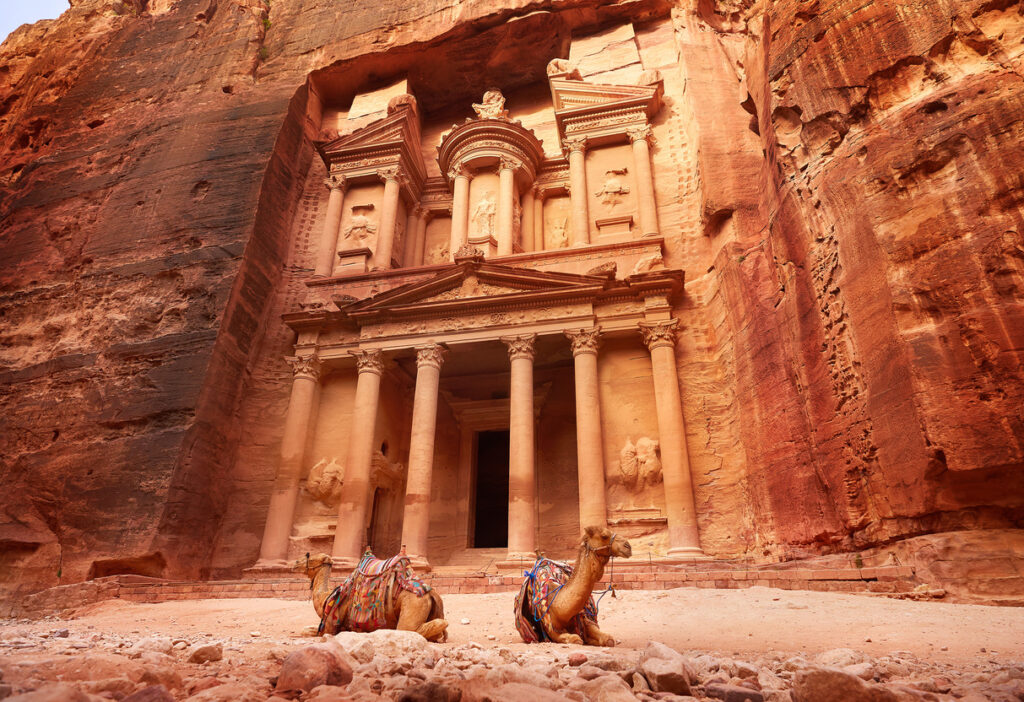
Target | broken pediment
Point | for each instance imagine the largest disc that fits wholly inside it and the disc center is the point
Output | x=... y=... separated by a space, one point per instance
x=593 y=109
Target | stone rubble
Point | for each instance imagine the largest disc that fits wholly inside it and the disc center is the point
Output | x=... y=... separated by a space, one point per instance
x=390 y=665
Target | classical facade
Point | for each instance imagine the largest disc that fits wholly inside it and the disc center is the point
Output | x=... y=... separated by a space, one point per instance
x=477 y=292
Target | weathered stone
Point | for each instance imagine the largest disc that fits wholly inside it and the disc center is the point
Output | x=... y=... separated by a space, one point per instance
x=158 y=644
x=666 y=675
x=359 y=646
x=607 y=688
x=230 y=692
x=834 y=685
x=206 y=653
x=431 y=692
x=52 y=693
x=153 y=693
x=577 y=659
x=308 y=667
x=732 y=693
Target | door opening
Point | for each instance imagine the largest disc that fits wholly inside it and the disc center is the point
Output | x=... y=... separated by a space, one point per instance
x=490 y=527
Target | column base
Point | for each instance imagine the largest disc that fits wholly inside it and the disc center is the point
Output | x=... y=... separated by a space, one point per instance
x=686 y=553
x=269 y=568
x=515 y=560
x=420 y=563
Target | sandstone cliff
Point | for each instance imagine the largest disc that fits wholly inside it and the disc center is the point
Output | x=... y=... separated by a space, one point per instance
x=851 y=368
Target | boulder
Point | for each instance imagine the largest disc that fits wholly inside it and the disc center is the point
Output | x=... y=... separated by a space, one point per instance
x=310 y=666
x=206 y=653
x=432 y=691
x=153 y=693
x=357 y=645
x=835 y=685
x=607 y=688
x=159 y=644
x=387 y=642
x=732 y=693
x=666 y=675
x=52 y=693
x=839 y=657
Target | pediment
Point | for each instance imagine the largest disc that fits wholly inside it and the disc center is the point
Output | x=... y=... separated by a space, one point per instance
x=580 y=95
x=399 y=126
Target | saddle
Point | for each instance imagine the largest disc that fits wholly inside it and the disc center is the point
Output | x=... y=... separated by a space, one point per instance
x=539 y=588
x=369 y=592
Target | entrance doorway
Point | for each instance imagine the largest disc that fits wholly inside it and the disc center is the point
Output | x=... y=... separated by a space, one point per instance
x=490 y=526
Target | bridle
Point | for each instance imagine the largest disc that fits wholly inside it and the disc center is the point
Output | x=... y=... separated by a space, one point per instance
x=606 y=548
x=611 y=568
x=328 y=564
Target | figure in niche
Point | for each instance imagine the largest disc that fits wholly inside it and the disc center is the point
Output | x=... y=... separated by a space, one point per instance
x=559 y=232
x=492 y=106
x=639 y=465
x=360 y=227
x=438 y=254
x=613 y=189
x=325 y=480
x=483 y=216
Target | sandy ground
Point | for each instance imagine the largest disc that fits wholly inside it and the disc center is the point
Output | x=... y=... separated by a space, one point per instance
x=755 y=621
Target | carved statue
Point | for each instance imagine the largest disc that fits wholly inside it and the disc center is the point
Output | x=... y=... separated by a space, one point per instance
x=360 y=227
x=639 y=465
x=648 y=263
x=438 y=253
x=562 y=67
x=483 y=216
x=492 y=106
x=613 y=189
x=559 y=233
x=325 y=480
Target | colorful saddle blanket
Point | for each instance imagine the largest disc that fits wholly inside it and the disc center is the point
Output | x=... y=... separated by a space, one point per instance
x=542 y=582
x=369 y=592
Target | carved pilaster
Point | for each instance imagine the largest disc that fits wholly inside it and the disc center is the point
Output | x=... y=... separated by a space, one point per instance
x=430 y=355
x=336 y=182
x=637 y=133
x=520 y=346
x=584 y=340
x=574 y=143
x=305 y=366
x=658 y=334
x=368 y=360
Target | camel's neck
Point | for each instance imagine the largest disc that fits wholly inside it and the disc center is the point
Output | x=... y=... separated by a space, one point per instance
x=589 y=568
x=321 y=588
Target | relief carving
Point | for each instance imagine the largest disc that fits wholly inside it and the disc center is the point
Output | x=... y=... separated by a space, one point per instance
x=325 y=480
x=483 y=216
x=492 y=106
x=559 y=229
x=613 y=189
x=648 y=263
x=562 y=68
x=360 y=227
x=639 y=464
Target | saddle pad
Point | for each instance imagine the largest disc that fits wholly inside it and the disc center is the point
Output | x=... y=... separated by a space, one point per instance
x=369 y=592
x=539 y=587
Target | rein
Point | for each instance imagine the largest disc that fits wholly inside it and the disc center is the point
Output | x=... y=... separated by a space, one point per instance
x=611 y=569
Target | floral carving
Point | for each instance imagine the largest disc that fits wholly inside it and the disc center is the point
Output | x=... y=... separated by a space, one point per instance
x=335 y=182
x=430 y=355
x=574 y=143
x=584 y=340
x=520 y=346
x=638 y=133
x=658 y=334
x=368 y=360
x=305 y=366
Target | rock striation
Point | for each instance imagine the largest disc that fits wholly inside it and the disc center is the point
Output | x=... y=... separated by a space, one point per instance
x=848 y=211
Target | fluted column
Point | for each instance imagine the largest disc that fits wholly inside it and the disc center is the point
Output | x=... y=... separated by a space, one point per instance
x=538 y=220
x=416 y=524
x=506 y=205
x=647 y=207
x=460 y=210
x=527 y=221
x=350 y=534
x=576 y=146
x=522 y=498
x=420 y=250
x=325 y=255
x=388 y=217
x=278 y=528
x=683 y=537
x=589 y=442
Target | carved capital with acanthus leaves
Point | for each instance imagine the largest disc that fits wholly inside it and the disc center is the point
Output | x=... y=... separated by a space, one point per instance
x=507 y=163
x=584 y=340
x=307 y=367
x=520 y=346
x=574 y=143
x=459 y=171
x=640 y=133
x=368 y=360
x=335 y=182
x=391 y=173
x=431 y=355
x=658 y=334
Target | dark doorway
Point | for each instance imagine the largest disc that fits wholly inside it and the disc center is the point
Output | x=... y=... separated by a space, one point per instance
x=490 y=527
x=375 y=534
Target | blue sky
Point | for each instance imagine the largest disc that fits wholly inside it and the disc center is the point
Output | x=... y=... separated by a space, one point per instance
x=14 y=13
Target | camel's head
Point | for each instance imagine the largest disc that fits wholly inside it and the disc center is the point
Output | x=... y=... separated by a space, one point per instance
x=308 y=565
x=604 y=541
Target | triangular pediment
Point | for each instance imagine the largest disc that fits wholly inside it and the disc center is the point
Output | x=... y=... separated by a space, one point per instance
x=399 y=126
x=577 y=94
x=476 y=282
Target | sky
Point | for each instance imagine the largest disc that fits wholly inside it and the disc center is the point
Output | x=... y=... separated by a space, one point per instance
x=14 y=13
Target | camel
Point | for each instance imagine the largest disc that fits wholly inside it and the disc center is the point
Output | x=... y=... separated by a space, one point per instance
x=555 y=602
x=406 y=611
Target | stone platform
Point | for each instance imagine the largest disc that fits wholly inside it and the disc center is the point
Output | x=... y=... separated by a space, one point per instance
x=635 y=576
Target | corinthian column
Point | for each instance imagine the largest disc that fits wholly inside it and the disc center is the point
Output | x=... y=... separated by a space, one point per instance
x=506 y=206
x=416 y=523
x=527 y=221
x=350 y=534
x=422 y=218
x=538 y=220
x=589 y=443
x=329 y=236
x=576 y=146
x=683 y=537
x=646 y=205
x=305 y=377
x=388 y=217
x=522 y=499
x=460 y=209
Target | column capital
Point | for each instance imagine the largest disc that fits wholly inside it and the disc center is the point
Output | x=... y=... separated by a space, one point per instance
x=574 y=143
x=459 y=170
x=584 y=340
x=430 y=355
x=658 y=334
x=520 y=346
x=640 y=133
x=305 y=366
x=507 y=163
x=539 y=193
x=368 y=360
x=336 y=182
x=391 y=173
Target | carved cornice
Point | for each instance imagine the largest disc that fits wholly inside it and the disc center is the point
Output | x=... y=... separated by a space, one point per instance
x=520 y=346
x=430 y=355
x=336 y=182
x=658 y=334
x=368 y=360
x=584 y=340
x=305 y=366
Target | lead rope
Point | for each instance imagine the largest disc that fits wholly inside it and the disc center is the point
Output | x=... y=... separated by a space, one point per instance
x=611 y=576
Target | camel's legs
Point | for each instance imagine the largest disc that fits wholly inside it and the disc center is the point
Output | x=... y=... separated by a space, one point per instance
x=413 y=616
x=595 y=636
x=566 y=638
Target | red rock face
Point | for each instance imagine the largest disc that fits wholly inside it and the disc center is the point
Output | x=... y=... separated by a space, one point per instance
x=859 y=189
